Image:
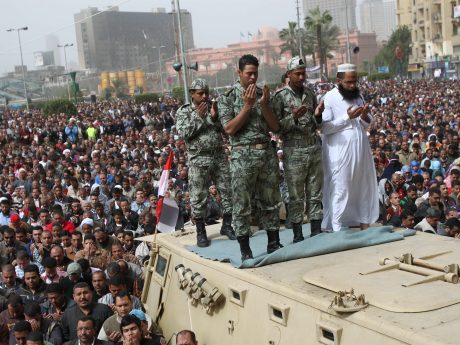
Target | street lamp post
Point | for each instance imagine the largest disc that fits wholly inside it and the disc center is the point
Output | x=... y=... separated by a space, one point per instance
x=160 y=70
x=65 y=61
x=22 y=62
x=181 y=40
x=348 y=33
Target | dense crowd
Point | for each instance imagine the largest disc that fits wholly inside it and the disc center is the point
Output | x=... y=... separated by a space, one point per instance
x=77 y=190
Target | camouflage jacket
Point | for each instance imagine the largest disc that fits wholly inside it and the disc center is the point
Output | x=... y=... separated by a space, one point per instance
x=200 y=134
x=284 y=100
x=256 y=130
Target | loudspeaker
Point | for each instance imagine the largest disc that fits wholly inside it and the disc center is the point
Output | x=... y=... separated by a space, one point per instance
x=194 y=66
x=177 y=66
x=93 y=98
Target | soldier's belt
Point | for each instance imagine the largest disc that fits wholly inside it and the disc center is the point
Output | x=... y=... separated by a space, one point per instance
x=205 y=151
x=251 y=146
x=300 y=142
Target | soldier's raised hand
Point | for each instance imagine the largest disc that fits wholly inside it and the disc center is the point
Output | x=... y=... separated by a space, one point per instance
x=249 y=95
x=214 y=111
x=265 y=96
x=202 y=109
x=320 y=108
x=299 y=112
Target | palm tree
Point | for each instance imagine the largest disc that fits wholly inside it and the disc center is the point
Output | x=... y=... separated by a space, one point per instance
x=315 y=22
x=118 y=87
x=291 y=39
x=275 y=56
x=330 y=42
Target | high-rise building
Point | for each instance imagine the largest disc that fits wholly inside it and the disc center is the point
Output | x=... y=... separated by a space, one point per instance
x=435 y=34
x=378 y=16
x=339 y=10
x=114 y=40
x=44 y=58
x=51 y=44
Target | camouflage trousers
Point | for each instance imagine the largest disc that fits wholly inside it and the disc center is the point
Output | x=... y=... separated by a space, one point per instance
x=204 y=171
x=304 y=177
x=255 y=174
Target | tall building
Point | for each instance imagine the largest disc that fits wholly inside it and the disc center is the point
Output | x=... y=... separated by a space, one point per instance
x=337 y=10
x=435 y=35
x=44 y=58
x=378 y=16
x=114 y=40
x=51 y=44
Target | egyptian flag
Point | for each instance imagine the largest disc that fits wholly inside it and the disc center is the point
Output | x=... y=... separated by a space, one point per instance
x=166 y=210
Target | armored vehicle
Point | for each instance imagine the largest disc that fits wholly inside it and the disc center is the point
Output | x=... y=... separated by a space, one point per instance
x=399 y=292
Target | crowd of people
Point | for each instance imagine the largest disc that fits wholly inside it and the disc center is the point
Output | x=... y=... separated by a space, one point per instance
x=75 y=193
x=77 y=190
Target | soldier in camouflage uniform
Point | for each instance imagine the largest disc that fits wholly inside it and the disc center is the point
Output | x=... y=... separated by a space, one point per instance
x=300 y=116
x=197 y=123
x=247 y=118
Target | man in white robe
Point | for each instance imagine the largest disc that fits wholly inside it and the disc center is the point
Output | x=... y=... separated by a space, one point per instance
x=350 y=192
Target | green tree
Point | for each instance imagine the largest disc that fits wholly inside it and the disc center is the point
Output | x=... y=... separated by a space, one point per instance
x=59 y=106
x=401 y=38
x=275 y=56
x=330 y=42
x=290 y=38
x=118 y=87
x=315 y=22
x=146 y=97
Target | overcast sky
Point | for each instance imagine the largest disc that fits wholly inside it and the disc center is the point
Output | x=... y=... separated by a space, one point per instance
x=216 y=23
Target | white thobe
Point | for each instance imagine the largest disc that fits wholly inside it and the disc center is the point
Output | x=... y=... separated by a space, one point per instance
x=350 y=192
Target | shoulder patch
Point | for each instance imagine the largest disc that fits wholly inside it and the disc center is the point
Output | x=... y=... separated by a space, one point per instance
x=227 y=93
x=184 y=106
x=280 y=90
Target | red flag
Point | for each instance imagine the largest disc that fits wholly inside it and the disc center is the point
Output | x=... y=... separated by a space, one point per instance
x=163 y=185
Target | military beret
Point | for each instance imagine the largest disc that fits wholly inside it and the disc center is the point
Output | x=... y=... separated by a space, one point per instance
x=294 y=63
x=199 y=84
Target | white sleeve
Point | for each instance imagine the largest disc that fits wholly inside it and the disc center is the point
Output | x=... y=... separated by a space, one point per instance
x=330 y=125
x=102 y=335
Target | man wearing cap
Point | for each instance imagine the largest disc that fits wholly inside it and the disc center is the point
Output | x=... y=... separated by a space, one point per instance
x=197 y=123
x=350 y=194
x=247 y=118
x=300 y=116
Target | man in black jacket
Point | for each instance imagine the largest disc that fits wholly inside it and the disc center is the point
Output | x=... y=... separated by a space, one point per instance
x=83 y=297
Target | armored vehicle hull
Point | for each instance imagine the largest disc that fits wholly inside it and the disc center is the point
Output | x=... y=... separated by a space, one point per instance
x=292 y=302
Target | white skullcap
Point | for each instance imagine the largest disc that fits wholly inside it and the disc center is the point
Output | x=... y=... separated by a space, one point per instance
x=279 y=152
x=346 y=67
x=87 y=221
x=66 y=151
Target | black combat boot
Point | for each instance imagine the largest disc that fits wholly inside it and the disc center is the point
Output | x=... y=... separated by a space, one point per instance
x=201 y=238
x=287 y=223
x=246 y=252
x=297 y=230
x=273 y=241
x=315 y=227
x=226 y=228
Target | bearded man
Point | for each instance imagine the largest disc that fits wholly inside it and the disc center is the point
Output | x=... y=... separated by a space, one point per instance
x=350 y=192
